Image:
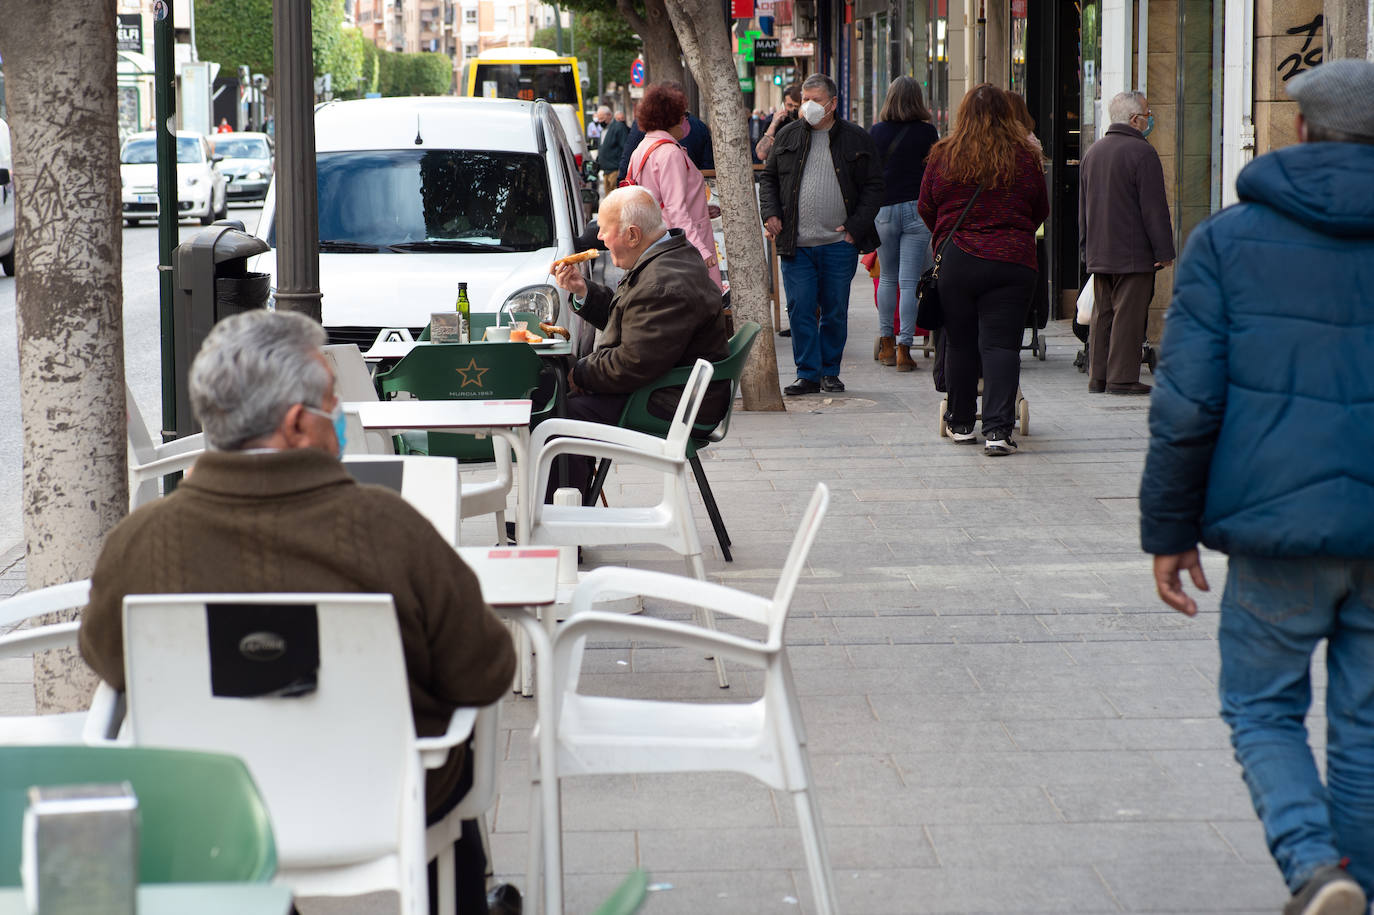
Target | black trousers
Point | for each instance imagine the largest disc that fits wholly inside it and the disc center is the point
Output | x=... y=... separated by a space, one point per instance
x=470 y=861
x=985 y=303
x=577 y=470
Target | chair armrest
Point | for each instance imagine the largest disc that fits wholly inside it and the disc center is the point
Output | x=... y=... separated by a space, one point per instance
x=39 y=638
x=184 y=445
x=622 y=580
x=597 y=432
x=104 y=720
x=71 y=596
x=170 y=464
x=648 y=628
x=585 y=446
x=434 y=750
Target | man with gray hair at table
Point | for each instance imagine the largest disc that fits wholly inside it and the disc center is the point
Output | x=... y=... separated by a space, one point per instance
x=270 y=508
x=665 y=313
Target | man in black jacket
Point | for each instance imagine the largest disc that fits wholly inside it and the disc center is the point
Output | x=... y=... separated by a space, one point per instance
x=612 y=147
x=820 y=192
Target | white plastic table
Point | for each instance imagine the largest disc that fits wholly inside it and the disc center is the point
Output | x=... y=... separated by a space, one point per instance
x=514 y=582
x=180 y=898
x=507 y=420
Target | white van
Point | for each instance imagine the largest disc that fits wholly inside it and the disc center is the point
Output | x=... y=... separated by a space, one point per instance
x=6 y=202
x=419 y=194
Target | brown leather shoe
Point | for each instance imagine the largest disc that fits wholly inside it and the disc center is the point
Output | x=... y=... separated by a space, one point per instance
x=1097 y=387
x=1135 y=387
x=886 y=354
x=904 y=361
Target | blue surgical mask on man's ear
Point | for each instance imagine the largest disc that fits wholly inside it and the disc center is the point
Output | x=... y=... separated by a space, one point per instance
x=336 y=416
x=1149 y=126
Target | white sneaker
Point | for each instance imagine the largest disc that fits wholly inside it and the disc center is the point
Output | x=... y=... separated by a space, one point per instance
x=999 y=443
x=962 y=434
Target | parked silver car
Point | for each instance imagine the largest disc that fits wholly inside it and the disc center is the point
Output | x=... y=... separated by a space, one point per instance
x=247 y=164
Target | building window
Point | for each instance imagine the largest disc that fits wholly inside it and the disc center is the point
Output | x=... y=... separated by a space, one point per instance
x=469 y=50
x=470 y=16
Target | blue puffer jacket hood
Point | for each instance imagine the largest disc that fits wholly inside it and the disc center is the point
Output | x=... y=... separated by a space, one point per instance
x=1262 y=417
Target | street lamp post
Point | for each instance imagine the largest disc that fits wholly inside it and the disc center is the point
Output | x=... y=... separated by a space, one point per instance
x=298 y=227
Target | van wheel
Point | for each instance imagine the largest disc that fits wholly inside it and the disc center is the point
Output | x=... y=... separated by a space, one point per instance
x=209 y=217
x=132 y=223
x=7 y=263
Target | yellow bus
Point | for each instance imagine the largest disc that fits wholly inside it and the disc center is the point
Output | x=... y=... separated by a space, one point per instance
x=529 y=74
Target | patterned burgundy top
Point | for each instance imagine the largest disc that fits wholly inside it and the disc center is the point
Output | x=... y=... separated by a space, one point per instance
x=1001 y=225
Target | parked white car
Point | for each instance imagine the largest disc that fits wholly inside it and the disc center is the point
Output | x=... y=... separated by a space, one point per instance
x=247 y=164
x=6 y=202
x=201 y=187
x=418 y=194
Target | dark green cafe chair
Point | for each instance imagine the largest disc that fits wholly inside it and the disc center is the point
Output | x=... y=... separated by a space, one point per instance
x=636 y=416
x=201 y=819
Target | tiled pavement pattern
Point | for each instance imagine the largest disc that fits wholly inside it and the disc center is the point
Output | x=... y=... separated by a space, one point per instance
x=1002 y=716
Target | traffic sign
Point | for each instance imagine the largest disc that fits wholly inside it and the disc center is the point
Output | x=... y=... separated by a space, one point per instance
x=767 y=52
x=637 y=72
x=746 y=84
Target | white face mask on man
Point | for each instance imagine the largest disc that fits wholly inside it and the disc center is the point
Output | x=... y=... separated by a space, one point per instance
x=814 y=112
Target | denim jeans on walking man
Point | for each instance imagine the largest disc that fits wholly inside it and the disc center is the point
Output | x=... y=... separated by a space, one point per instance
x=1274 y=613
x=819 y=277
x=903 y=256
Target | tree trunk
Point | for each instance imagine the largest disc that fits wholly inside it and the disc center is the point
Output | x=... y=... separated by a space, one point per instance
x=662 y=52
x=700 y=24
x=60 y=86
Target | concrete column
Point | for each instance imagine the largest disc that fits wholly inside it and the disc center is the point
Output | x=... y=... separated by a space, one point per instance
x=1290 y=38
x=1117 y=62
x=997 y=38
x=298 y=227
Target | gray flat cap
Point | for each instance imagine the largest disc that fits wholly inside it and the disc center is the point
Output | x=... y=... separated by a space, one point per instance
x=1337 y=95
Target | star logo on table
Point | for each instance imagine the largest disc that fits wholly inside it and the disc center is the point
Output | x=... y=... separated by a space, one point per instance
x=472 y=375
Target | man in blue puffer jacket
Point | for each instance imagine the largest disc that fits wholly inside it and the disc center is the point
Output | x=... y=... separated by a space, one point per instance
x=1262 y=446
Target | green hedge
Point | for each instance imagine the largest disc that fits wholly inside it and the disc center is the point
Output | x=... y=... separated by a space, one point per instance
x=415 y=74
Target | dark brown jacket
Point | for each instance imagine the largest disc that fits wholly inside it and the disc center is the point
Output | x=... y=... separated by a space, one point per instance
x=666 y=312
x=1123 y=212
x=296 y=521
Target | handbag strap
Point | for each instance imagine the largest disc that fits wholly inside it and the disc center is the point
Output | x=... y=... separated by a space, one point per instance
x=892 y=147
x=959 y=222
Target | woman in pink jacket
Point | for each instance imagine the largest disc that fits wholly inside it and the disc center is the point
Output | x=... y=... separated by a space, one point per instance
x=663 y=167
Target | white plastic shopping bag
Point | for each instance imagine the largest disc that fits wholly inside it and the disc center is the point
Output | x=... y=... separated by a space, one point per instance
x=1085 y=302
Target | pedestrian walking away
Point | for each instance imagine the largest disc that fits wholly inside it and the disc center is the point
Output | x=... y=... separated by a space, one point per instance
x=1125 y=237
x=696 y=138
x=1261 y=431
x=989 y=175
x=663 y=168
x=903 y=136
x=608 y=154
x=820 y=193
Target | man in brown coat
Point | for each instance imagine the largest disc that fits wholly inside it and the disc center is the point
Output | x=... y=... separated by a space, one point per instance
x=270 y=508
x=665 y=313
x=1124 y=238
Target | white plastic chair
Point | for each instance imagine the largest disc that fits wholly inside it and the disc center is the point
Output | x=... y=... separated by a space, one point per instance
x=597 y=735
x=669 y=523
x=67 y=727
x=150 y=460
x=340 y=768
x=354 y=385
x=429 y=484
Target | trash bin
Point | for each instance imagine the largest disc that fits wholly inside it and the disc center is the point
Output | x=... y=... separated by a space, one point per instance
x=211 y=281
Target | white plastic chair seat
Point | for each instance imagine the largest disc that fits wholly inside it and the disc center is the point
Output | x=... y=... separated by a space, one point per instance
x=40 y=730
x=150 y=460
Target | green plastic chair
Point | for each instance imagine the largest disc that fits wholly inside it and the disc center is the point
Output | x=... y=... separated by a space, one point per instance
x=201 y=819
x=636 y=416
x=476 y=371
x=481 y=321
x=629 y=897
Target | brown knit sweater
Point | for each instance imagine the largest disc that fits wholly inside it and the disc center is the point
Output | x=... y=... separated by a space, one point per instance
x=296 y=521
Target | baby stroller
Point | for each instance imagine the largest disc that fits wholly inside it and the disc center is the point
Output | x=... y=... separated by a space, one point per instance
x=938 y=374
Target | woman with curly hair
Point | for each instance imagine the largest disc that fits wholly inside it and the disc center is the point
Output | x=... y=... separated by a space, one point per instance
x=987 y=170
x=663 y=167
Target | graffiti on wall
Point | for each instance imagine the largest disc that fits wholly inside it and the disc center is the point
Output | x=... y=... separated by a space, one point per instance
x=1307 y=56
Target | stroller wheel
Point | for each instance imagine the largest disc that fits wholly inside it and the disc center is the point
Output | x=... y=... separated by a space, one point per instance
x=1023 y=415
x=1151 y=358
x=944 y=428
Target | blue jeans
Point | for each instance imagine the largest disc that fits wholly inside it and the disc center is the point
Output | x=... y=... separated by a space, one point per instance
x=813 y=278
x=1274 y=612
x=902 y=258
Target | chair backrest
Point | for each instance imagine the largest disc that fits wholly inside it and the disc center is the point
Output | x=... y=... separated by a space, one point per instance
x=796 y=559
x=680 y=429
x=429 y=484
x=476 y=371
x=337 y=765
x=201 y=818
x=731 y=368
x=352 y=384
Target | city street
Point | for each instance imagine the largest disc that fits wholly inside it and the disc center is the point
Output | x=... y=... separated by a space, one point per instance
x=142 y=356
x=1001 y=715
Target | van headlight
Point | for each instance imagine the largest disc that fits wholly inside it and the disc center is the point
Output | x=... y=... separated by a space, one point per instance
x=538 y=300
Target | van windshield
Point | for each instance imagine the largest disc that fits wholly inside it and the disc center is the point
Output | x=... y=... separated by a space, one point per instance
x=433 y=200
x=553 y=82
x=144 y=151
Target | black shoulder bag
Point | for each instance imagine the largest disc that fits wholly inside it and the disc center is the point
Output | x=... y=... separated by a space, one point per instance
x=929 y=314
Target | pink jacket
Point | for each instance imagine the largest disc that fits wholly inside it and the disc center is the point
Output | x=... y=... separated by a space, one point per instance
x=672 y=178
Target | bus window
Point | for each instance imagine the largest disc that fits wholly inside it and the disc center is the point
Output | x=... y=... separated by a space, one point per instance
x=553 y=82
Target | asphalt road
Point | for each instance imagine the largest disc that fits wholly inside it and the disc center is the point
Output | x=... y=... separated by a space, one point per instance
x=142 y=357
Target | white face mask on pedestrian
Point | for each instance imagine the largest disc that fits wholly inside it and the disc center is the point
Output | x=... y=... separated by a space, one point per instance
x=814 y=112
